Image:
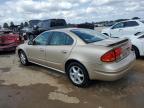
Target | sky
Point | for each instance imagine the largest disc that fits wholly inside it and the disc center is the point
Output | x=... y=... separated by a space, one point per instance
x=74 y=11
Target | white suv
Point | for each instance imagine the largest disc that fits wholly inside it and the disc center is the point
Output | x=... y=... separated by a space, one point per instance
x=133 y=29
x=121 y=29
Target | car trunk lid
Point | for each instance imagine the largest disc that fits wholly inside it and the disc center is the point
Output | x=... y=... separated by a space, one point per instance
x=114 y=43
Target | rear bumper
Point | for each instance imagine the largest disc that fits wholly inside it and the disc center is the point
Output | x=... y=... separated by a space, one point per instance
x=114 y=71
x=10 y=47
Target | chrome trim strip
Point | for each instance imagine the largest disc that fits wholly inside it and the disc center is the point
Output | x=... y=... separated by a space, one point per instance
x=47 y=67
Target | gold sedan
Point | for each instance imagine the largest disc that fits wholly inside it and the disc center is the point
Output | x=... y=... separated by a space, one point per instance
x=82 y=54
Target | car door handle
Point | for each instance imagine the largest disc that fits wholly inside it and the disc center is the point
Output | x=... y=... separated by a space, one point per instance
x=64 y=51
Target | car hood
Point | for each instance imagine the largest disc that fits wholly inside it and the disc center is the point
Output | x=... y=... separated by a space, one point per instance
x=110 y=42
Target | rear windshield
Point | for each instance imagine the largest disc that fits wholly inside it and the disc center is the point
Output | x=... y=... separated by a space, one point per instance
x=89 y=36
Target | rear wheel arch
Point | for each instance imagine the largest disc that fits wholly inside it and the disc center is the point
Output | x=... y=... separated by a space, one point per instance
x=106 y=34
x=71 y=61
x=74 y=63
x=137 y=52
x=137 y=33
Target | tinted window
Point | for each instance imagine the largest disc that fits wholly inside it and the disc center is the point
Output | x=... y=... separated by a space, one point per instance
x=119 y=25
x=60 y=38
x=42 y=39
x=58 y=22
x=32 y=23
x=40 y=24
x=45 y=24
x=88 y=35
x=131 y=24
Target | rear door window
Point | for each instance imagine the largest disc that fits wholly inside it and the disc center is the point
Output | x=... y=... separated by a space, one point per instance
x=119 y=25
x=131 y=24
x=59 y=38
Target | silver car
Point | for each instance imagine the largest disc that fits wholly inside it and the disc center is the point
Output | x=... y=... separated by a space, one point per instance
x=82 y=54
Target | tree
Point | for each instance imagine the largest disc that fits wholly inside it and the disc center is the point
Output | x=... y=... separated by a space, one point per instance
x=135 y=18
x=12 y=25
x=5 y=25
x=21 y=25
x=26 y=24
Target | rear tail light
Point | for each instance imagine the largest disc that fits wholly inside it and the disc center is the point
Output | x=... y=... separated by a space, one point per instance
x=17 y=39
x=118 y=52
x=112 y=55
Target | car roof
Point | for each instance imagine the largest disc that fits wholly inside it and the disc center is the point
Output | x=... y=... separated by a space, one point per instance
x=127 y=21
x=66 y=29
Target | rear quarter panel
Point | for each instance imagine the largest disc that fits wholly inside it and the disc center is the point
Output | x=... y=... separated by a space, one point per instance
x=89 y=56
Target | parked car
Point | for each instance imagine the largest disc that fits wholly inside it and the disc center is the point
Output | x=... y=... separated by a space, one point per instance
x=132 y=29
x=137 y=43
x=33 y=23
x=124 y=28
x=9 y=40
x=86 y=25
x=82 y=54
x=45 y=25
x=24 y=32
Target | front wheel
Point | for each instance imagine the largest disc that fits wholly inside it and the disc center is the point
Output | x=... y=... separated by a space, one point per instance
x=23 y=58
x=78 y=75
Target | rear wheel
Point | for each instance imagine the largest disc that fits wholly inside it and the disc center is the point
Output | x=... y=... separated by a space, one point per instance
x=23 y=58
x=78 y=75
x=135 y=49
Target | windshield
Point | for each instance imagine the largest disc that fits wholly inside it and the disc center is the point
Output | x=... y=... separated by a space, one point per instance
x=89 y=36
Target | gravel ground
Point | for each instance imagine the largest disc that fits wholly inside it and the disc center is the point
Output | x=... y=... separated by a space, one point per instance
x=37 y=87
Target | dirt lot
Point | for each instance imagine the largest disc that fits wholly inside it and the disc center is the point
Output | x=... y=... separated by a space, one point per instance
x=37 y=87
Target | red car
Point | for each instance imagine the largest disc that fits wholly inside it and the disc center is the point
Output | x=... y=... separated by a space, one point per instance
x=8 y=40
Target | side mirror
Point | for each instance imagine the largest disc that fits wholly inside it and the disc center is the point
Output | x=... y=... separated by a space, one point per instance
x=31 y=42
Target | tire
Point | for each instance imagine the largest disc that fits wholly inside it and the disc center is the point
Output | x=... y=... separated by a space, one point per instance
x=23 y=58
x=135 y=49
x=79 y=78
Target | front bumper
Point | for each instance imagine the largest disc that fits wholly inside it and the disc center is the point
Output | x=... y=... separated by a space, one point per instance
x=114 y=71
